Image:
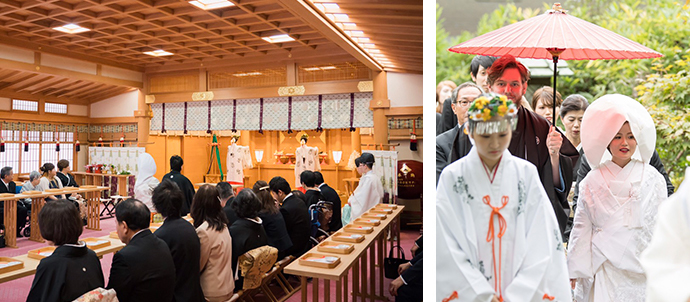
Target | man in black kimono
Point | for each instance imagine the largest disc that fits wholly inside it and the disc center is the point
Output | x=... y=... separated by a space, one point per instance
x=534 y=139
x=182 y=182
x=332 y=196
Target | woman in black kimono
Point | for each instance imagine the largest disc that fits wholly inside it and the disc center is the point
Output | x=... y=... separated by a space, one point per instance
x=247 y=232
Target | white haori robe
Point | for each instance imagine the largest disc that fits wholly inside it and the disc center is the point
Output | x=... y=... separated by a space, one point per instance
x=146 y=182
x=306 y=158
x=237 y=159
x=667 y=260
x=530 y=254
x=615 y=217
x=368 y=194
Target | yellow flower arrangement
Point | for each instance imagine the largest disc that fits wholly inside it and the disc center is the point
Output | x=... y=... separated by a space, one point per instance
x=481 y=102
x=502 y=109
x=487 y=114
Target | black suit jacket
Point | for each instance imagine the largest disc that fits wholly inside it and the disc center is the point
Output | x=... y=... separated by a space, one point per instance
x=447 y=144
x=4 y=189
x=181 y=238
x=448 y=118
x=298 y=224
x=332 y=196
x=413 y=275
x=246 y=236
x=229 y=212
x=67 y=180
x=312 y=197
x=66 y=274
x=186 y=187
x=143 y=270
x=276 y=231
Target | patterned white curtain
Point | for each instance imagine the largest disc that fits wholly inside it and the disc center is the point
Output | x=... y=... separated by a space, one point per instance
x=386 y=166
x=123 y=158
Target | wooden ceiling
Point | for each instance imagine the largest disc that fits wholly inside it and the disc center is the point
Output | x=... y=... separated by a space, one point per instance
x=121 y=30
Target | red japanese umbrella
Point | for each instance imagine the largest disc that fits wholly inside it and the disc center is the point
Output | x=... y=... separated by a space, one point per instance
x=554 y=35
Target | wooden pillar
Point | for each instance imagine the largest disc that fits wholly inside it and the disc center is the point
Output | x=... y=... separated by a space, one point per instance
x=143 y=118
x=270 y=149
x=378 y=105
x=356 y=142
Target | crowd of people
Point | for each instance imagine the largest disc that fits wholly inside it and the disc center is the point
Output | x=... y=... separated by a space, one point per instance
x=505 y=217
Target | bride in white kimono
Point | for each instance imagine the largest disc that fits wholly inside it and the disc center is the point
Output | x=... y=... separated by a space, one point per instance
x=146 y=182
x=618 y=202
x=666 y=260
x=497 y=234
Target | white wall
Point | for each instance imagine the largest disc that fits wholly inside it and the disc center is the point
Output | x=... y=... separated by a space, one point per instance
x=405 y=89
x=122 y=105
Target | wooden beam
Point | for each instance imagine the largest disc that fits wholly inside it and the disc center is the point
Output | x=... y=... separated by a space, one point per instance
x=404 y=111
x=48 y=118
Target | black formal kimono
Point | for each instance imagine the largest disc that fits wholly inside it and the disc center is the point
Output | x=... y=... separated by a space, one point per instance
x=181 y=238
x=71 y=271
x=229 y=212
x=22 y=211
x=276 y=232
x=246 y=236
x=298 y=224
x=143 y=270
x=186 y=187
x=332 y=196
x=529 y=143
x=67 y=180
x=312 y=197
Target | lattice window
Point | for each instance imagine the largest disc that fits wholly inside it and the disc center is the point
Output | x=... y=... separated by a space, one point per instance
x=333 y=72
x=56 y=108
x=10 y=158
x=248 y=78
x=25 y=105
x=30 y=159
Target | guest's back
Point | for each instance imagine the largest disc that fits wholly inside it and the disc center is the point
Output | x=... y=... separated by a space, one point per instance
x=298 y=224
x=215 y=263
x=229 y=212
x=246 y=236
x=330 y=195
x=276 y=231
x=143 y=270
x=181 y=238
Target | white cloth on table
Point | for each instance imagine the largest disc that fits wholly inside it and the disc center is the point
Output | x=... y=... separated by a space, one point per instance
x=530 y=258
x=143 y=187
x=237 y=159
x=613 y=224
x=368 y=194
x=306 y=159
x=666 y=259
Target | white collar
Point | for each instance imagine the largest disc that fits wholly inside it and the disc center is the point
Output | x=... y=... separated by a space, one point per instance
x=257 y=220
x=79 y=244
x=288 y=196
x=321 y=185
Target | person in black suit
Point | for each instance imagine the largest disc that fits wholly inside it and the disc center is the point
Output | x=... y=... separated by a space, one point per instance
x=144 y=269
x=73 y=269
x=227 y=198
x=182 y=182
x=63 y=174
x=247 y=232
x=272 y=220
x=181 y=238
x=313 y=194
x=295 y=213
x=7 y=185
x=446 y=142
x=408 y=286
x=330 y=195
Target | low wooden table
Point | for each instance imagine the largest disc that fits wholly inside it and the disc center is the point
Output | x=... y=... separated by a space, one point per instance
x=31 y=264
x=363 y=266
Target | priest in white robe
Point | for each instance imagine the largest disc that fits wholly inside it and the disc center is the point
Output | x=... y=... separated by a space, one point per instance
x=618 y=202
x=497 y=234
x=667 y=258
x=369 y=192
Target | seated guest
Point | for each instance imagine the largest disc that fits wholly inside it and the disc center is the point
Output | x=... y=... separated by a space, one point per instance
x=408 y=286
x=144 y=269
x=73 y=269
x=330 y=195
x=146 y=182
x=34 y=179
x=417 y=247
x=181 y=238
x=216 y=245
x=272 y=220
x=227 y=196
x=295 y=214
x=49 y=181
x=7 y=185
x=247 y=232
x=313 y=194
x=182 y=182
x=63 y=174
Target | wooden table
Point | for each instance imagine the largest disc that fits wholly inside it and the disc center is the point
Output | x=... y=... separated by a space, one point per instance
x=31 y=264
x=363 y=266
x=86 y=178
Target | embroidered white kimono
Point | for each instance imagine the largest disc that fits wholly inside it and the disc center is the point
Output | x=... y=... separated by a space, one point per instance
x=306 y=158
x=613 y=224
x=143 y=188
x=529 y=260
x=368 y=194
x=667 y=260
x=238 y=159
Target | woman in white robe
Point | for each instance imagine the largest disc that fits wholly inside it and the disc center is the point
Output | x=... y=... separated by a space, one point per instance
x=667 y=260
x=497 y=237
x=143 y=188
x=369 y=191
x=618 y=202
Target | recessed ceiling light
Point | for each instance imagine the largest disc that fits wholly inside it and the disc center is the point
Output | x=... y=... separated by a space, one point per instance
x=327 y=6
x=338 y=17
x=158 y=53
x=278 y=39
x=367 y=45
x=330 y=67
x=247 y=74
x=317 y=68
x=211 y=4
x=373 y=51
x=312 y=68
x=71 y=28
x=361 y=40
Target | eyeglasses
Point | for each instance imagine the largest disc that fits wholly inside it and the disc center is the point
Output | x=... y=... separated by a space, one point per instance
x=464 y=103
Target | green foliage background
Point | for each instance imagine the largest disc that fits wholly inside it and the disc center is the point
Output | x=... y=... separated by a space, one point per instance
x=662 y=85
